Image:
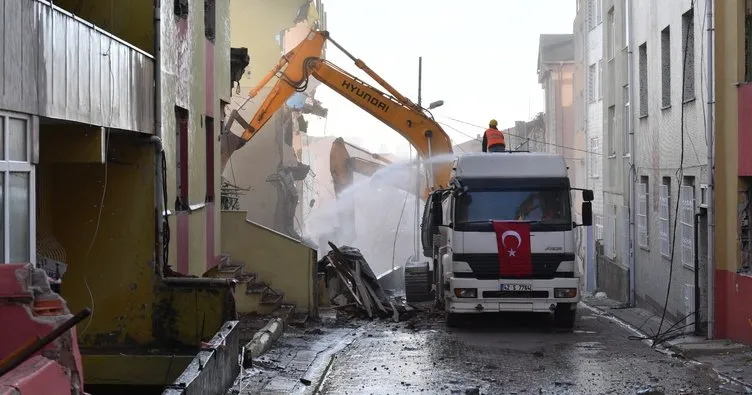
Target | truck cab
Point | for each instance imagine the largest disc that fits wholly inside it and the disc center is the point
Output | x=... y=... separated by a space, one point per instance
x=459 y=233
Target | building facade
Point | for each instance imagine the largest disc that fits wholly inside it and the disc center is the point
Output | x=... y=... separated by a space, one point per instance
x=269 y=170
x=589 y=81
x=556 y=74
x=96 y=111
x=733 y=171
x=612 y=148
x=670 y=153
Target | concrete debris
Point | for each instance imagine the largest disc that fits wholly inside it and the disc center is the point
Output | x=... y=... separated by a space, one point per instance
x=355 y=290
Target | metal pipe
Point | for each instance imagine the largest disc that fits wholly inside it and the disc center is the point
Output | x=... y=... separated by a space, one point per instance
x=697 y=275
x=157 y=139
x=711 y=169
x=632 y=154
x=47 y=339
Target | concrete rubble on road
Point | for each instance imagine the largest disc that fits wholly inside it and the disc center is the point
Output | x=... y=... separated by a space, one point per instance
x=731 y=360
x=354 y=289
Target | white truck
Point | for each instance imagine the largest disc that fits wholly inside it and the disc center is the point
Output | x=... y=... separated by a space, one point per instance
x=501 y=237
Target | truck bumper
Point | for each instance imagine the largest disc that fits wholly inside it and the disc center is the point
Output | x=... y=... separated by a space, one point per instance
x=540 y=299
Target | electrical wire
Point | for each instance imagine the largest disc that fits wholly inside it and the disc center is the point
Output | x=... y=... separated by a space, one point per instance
x=679 y=180
x=511 y=134
x=104 y=186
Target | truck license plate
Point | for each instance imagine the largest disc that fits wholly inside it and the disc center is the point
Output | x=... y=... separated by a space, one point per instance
x=516 y=287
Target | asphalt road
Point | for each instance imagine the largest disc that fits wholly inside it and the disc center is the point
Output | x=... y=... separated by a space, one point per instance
x=498 y=354
x=511 y=354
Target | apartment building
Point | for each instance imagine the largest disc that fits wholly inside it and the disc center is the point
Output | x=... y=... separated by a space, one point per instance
x=670 y=159
x=733 y=170
x=588 y=99
x=269 y=170
x=92 y=110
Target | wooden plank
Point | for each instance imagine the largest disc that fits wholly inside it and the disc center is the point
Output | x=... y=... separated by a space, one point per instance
x=364 y=294
x=345 y=282
x=374 y=297
x=395 y=312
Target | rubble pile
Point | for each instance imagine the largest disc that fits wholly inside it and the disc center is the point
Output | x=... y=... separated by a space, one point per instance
x=354 y=289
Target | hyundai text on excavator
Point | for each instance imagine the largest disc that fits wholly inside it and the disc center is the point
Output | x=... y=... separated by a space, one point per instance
x=489 y=245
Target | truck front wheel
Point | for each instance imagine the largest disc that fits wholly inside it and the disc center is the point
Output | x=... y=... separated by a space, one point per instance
x=564 y=316
x=453 y=319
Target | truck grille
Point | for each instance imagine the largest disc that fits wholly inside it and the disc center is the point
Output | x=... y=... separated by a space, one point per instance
x=486 y=266
x=516 y=294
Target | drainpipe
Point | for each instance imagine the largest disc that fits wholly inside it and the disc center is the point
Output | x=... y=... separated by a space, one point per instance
x=632 y=154
x=711 y=170
x=156 y=141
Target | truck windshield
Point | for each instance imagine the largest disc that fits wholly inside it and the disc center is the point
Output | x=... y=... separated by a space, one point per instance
x=550 y=206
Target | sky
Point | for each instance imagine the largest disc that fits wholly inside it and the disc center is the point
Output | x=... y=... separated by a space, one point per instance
x=479 y=57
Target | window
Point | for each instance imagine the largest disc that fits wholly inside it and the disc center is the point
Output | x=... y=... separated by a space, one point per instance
x=180 y=8
x=592 y=81
x=17 y=197
x=595 y=163
x=611 y=132
x=611 y=35
x=598 y=222
x=210 y=143
x=642 y=213
x=591 y=14
x=549 y=206
x=210 y=19
x=664 y=207
x=625 y=131
x=666 y=67
x=181 y=158
x=688 y=44
x=687 y=222
x=600 y=79
x=643 y=79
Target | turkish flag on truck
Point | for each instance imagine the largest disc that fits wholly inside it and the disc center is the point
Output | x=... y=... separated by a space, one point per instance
x=513 y=242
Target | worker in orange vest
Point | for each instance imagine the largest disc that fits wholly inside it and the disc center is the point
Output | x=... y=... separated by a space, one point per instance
x=493 y=139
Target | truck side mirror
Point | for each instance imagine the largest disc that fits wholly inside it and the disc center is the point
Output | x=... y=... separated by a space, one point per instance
x=587 y=195
x=587 y=213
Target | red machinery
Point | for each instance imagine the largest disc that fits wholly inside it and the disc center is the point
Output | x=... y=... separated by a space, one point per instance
x=38 y=344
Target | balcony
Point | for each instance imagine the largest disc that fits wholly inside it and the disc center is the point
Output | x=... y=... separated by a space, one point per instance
x=59 y=66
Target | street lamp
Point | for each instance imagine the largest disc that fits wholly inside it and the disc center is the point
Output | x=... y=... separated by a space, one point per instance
x=435 y=104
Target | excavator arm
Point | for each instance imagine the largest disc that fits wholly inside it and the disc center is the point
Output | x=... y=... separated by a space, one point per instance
x=393 y=109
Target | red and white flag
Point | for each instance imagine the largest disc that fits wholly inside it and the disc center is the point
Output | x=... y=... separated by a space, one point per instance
x=513 y=242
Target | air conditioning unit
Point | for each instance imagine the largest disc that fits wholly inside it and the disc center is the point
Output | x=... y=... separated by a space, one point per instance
x=704 y=195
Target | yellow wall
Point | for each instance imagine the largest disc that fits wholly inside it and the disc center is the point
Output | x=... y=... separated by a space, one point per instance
x=129 y=20
x=729 y=69
x=259 y=34
x=284 y=263
x=115 y=277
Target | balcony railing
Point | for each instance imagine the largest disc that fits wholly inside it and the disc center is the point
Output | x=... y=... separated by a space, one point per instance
x=60 y=66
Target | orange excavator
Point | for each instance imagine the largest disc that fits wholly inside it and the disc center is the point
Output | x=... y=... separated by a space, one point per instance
x=394 y=109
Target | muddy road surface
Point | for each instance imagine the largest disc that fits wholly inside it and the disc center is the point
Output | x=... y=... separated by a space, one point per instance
x=495 y=354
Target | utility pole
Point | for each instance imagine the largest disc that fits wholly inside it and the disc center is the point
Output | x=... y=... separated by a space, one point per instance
x=417 y=164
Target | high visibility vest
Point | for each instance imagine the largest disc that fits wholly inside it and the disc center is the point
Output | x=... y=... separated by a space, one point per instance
x=493 y=137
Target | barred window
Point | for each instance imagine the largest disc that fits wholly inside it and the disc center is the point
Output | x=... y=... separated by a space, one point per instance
x=642 y=213
x=664 y=205
x=687 y=225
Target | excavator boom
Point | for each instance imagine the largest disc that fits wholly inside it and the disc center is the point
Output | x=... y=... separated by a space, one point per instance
x=393 y=109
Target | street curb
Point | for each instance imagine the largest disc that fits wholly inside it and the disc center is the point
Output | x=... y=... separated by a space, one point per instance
x=263 y=340
x=670 y=348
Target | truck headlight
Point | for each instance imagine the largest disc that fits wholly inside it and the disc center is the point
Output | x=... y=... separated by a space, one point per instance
x=466 y=292
x=565 y=292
